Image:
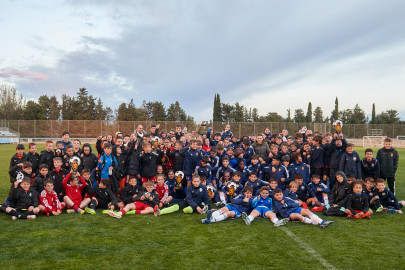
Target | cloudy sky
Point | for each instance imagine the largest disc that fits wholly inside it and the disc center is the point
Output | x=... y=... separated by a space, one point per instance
x=272 y=55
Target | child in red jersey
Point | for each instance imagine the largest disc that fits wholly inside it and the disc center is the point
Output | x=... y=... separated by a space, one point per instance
x=162 y=190
x=49 y=203
x=73 y=188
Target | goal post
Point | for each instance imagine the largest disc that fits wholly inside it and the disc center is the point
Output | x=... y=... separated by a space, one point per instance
x=373 y=141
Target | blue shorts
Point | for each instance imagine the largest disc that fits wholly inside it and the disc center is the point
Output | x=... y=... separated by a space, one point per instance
x=233 y=208
x=262 y=210
x=296 y=211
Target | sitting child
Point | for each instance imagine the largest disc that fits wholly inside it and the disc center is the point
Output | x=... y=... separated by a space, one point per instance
x=73 y=198
x=234 y=210
x=230 y=191
x=162 y=190
x=49 y=203
x=287 y=208
x=321 y=191
x=263 y=207
x=197 y=200
x=23 y=200
x=104 y=198
x=146 y=202
x=357 y=203
x=292 y=194
x=255 y=183
x=176 y=190
x=131 y=190
x=387 y=199
x=39 y=181
x=338 y=196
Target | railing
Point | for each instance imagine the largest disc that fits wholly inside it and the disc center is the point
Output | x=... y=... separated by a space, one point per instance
x=94 y=128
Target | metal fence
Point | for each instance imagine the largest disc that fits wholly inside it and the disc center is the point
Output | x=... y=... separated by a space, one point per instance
x=95 y=128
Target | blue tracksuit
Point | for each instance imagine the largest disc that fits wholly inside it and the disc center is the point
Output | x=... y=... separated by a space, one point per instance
x=316 y=157
x=370 y=169
x=108 y=161
x=350 y=165
x=281 y=172
x=248 y=153
x=214 y=163
x=226 y=134
x=191 y=159
x=292 y=195
x=285 y=207
x=257 y=169
x=241 y=205
x=244 y=176
x=388 y=199
x=221 y=171
x=197 y=195
x=212 y=142
x=304 y=192
x=318 y=189
x=256 y=185
x=200 y=170
x=301 y=168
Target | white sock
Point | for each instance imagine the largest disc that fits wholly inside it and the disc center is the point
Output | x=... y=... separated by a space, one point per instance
x=216 y=214
x=222 y=197
x=274 y=220
x=220 y=218
x=307 y=221
x=250 y=218
x=315 y=218
x=326 y=200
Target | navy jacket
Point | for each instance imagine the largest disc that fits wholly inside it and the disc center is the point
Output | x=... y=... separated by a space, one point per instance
x=370 y=169
x=241 y=205
x=285 y=207
x=388 y=160
x=350 y=164
x=197 y=195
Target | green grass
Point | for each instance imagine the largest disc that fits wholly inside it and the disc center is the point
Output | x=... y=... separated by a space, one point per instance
x=179 y=241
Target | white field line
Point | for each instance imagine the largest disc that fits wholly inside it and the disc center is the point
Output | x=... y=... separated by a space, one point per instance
x=309 y=249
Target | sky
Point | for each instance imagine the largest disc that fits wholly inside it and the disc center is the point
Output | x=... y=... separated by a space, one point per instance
x=271 y=55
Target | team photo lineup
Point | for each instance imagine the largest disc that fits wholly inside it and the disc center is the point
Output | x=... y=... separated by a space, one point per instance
x=282 y=177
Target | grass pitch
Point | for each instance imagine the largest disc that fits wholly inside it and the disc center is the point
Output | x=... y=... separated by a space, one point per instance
x=180 y=241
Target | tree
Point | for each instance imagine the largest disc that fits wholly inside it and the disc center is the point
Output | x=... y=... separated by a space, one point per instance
x=247 y=115
x=373 y=120
x=289 y=116
x=318 y=115
x=176 y=113
x=309 y=113
x=335 y=112
x=255 y=115
x=217 y=111
x=155 y=111
x=355 y=116
x=299 y=116
x=33 y=111
x=227 y=112
x=388 y=117
x=11 y=103
x=271 y=117
x=67 y=107
x=238 y=112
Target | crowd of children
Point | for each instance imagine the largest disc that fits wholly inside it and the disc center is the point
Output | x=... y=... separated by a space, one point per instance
x=274 y=176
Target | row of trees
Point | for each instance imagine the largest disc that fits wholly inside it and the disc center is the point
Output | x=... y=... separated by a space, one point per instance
x=224 y=112
x=83 y=106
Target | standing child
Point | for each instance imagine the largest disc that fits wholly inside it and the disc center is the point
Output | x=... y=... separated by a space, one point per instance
x=388 y=159
x=370 y=167
x=350 y=162
x=46 y=156
x=57 y=175
x=33 y=157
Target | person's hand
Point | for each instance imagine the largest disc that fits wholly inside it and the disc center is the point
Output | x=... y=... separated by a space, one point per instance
x=361 y=214
x=158 y=125
x=99 y=137
x=246 y=199
x=357 y=216
x=160 y=205
x=16 y=183
x=335 y=136
x=270 y=155
x=30 y=208
x=112 y=207
x=341 y=135
x=150 y=198
x=335 y=205
x=282 y=179
x=134 y=196
x=142 y=197
x=273 y=169
x=19 y=164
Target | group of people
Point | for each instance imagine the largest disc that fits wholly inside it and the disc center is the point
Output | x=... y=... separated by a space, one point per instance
x=275 y=176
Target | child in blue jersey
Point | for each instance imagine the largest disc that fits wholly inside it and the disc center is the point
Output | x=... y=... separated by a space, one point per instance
x=255 y=183
x=197 y=200
x=299 y=167
x=234 y=210
x=106 y=162
x=255 y=166
x=287 y=208
x=191 y=158
x=263 y=207
x=230 y=191
x=321 y=191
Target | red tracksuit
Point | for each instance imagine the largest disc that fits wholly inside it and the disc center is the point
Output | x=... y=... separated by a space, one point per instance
x=50 y=201
x=73 y=192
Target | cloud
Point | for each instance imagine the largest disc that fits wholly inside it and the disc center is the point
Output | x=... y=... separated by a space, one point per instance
x=17 y=75
x=252 y=53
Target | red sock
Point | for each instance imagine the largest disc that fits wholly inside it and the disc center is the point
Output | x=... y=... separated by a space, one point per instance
x=317 y=209
x=62 y=206
x=304 y=205
x=367 y=214
x=123 y=211
x=75 y=207
x=137 y=211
